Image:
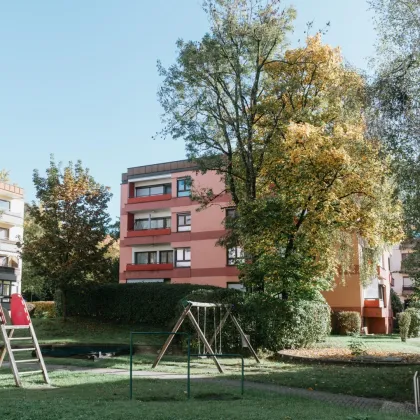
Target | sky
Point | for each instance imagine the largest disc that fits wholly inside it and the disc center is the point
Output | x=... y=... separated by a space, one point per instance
x=78 y=78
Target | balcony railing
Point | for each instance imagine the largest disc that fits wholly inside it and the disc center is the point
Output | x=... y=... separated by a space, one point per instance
x=149 y=267
x=373 y=303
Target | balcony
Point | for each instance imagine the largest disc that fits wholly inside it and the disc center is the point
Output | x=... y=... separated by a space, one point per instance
x=8 y=273
x=8 y=245
x=148 y=232
x=149 y=198
x=10 y=218
x=149 y=267
x=374 y=303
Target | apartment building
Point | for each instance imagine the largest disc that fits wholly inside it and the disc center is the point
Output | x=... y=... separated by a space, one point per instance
x=373 y=301
x=401 y=282
x=165 y=239
x=11 y=230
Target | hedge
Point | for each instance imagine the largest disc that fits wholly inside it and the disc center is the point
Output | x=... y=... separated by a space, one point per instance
x=348 y=322
x=414 y=330
x=404 y=320
x=154 y=304
x=43 y=309
x=273 y=324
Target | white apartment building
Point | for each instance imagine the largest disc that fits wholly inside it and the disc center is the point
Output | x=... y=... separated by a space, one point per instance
x=401 y=282
x=11 y=231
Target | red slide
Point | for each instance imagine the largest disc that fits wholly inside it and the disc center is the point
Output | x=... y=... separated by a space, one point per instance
x=19 y=312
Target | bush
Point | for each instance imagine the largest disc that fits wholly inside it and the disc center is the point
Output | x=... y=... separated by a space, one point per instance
x=154 y=304
x=357 y=346
x=43 y=309
x=273 y=324
x=404 y=320
x=348 y=322
x=414 y=330
x=396 y=304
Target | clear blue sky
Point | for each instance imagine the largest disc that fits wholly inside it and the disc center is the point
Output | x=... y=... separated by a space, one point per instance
x=78 y=77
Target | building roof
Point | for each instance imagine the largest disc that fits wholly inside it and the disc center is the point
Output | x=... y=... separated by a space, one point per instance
x=158 y=169
x=13 y=189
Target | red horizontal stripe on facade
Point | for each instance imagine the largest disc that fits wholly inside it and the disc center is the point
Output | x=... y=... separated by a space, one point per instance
x=148 y=199
x=148 y=232
x=149 y=267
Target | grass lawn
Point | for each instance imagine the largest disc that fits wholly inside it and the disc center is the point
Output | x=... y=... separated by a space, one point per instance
x=377 y=346
x=393 y=383
x=102 y=397
x=386 y=343
x=387 y=382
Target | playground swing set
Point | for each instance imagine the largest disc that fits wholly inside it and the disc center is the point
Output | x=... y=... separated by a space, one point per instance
x=224 y=313
x=20 y=320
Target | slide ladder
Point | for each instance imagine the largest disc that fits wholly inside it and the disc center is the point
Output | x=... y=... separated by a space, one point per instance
x=20 y=320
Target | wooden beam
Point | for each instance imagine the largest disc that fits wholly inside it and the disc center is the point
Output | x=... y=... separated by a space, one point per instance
x=245 y=338
x=171 y=336
x=39 y=355
x=11 y=357
x=4 y=351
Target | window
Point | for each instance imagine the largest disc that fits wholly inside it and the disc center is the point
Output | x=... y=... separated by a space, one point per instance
x=380 y=291
x=153 y=190
x=184 y=222
x=231 y=213
x=4 y=233
x=183 y=257
x=166 y=257
x=145 y=257
x=237 y=286
x=235 y=255
x=4 y=261
x=156 y=223
x=408 y=283
x=184 y=187
x=5 y=288
x=4 y=205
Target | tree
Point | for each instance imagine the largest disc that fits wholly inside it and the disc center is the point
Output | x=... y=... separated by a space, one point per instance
x=395 y=97
x=32 y=283
x=323 y=181
x=4 y=175
x=211 y=96
x=284 y=129
x=71 y=248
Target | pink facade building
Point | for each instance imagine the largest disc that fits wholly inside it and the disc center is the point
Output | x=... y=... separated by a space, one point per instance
x=163 y=237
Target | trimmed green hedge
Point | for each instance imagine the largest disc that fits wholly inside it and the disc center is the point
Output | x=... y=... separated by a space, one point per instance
x=349 y=322
x=43 y=309
x=154 y=304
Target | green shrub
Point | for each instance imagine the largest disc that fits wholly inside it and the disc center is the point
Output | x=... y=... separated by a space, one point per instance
x=43 y=309
x=404 y=320
x=357 y=346
x=348 y=322
x=272 y=323
x=153 y=304
x=396 y=304
x=414 y=330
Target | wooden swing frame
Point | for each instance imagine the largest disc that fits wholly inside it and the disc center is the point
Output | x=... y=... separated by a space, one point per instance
x=207 y=344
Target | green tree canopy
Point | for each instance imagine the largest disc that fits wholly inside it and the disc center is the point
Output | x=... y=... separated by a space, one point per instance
x=71 y=245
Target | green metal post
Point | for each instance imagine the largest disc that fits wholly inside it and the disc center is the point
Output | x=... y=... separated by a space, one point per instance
x=189 y=367
x=131 y=366
x=243 y=375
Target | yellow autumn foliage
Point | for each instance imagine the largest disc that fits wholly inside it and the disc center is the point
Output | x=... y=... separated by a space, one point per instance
x=327 y=176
